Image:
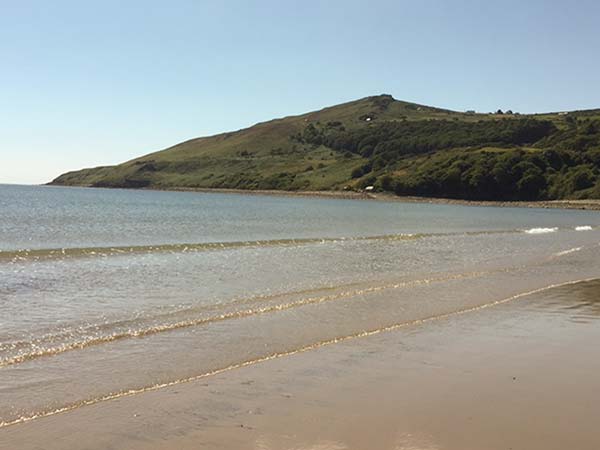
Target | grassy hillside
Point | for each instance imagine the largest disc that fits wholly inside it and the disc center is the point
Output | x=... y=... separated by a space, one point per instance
x=394 y=145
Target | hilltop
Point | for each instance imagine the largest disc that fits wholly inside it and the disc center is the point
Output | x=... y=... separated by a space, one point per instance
x=396 y=146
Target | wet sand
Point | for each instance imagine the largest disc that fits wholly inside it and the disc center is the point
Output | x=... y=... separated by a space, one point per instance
x=520 y=375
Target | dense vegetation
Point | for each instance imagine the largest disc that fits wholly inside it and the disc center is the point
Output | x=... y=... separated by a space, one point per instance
x=395 y=146
x=527 y=158
x=511 y=175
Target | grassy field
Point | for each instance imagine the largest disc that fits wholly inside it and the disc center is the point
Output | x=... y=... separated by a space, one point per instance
x=282 y=154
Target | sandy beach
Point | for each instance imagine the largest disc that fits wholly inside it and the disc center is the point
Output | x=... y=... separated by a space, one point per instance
x=520 y=375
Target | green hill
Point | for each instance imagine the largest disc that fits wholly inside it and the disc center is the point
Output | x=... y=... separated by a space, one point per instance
x=396 y=146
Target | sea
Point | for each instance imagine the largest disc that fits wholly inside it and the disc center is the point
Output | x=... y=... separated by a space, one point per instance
x=108 y=293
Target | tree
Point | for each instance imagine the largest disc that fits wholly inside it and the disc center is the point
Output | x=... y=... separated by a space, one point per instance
x=582 y=178
x=531 y=185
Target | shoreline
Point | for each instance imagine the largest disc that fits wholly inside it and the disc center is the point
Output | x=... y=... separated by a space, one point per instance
x=418 y=387
x=589 y=204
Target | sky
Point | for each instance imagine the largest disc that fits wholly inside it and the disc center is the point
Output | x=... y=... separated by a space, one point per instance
x=89 y=83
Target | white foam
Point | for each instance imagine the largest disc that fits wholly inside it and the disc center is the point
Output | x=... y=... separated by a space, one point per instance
x=583 y=228
x=566 y=252
x=541 y=230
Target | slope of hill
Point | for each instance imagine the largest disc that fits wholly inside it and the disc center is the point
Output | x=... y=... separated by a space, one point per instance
x=394 y=145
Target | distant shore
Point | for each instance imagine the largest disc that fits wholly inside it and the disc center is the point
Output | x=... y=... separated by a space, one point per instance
x=590 y=204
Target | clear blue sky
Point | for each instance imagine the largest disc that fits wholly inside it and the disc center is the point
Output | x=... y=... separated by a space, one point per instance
x=87 y=83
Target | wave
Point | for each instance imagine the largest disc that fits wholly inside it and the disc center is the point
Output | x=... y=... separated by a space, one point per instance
x=55 y=344
x=79 y=338
x=25 y=255
x=75 y=252
x=541 y=230
x=568 y=252
x=584 y=228
x=143 y=324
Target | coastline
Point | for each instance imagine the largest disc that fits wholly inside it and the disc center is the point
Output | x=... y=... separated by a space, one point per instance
x=589 y=204
x=424 y=387
x=593 y=205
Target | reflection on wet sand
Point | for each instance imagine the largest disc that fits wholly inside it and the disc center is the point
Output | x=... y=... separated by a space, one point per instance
x=586 y=303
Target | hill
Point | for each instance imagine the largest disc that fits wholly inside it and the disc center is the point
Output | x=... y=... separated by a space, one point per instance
x=397 y=146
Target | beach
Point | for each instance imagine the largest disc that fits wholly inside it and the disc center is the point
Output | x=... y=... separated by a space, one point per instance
x=176 y=320
x=518 y=375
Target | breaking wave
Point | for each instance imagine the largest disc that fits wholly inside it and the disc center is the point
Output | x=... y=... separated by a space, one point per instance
x=541 y=230
x=567 y=252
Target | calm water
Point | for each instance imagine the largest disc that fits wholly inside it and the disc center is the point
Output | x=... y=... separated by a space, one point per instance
x=104 y=292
